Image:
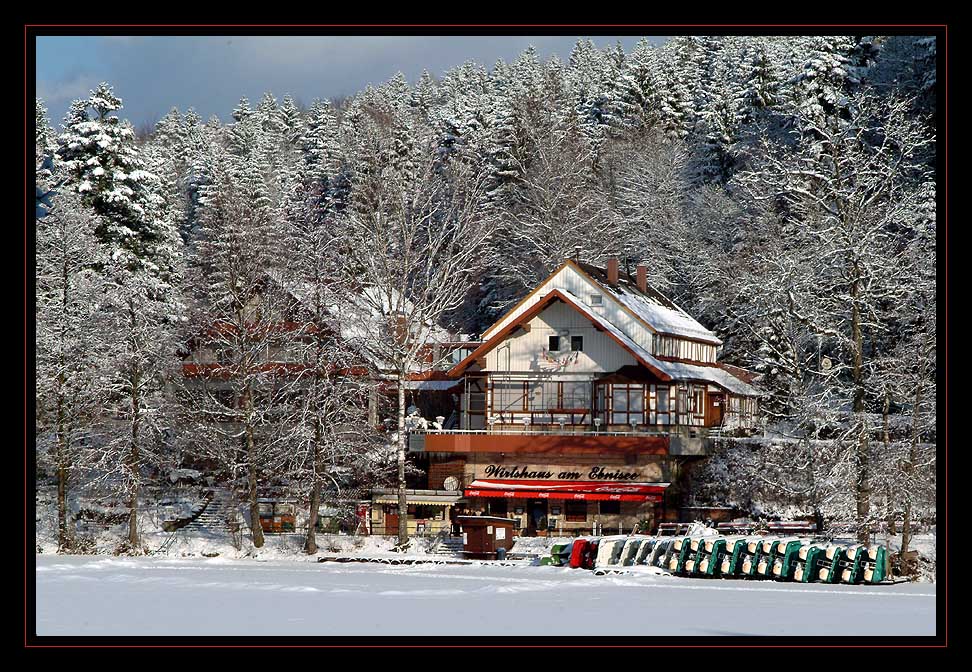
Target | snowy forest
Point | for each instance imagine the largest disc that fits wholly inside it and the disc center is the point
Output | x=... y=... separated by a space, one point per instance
x=780 y=189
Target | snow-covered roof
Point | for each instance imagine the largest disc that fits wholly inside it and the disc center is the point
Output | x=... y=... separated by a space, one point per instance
x=664 y=368
x=675 y=370
x=359 y=318
x=652 y=307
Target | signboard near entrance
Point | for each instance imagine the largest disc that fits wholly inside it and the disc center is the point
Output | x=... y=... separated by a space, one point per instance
x=596 y=472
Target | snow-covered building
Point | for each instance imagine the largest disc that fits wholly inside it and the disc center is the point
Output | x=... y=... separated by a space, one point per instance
x=581 y=406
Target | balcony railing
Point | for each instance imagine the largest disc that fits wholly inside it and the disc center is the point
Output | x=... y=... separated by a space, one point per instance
x=550 y=431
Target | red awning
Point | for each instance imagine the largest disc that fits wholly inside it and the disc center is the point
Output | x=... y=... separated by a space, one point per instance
x=579 y=490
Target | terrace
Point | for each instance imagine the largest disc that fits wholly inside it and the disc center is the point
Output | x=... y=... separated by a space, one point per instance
x=564 y=439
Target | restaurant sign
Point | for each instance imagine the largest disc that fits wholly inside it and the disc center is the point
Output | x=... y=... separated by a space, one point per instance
x=568 y=473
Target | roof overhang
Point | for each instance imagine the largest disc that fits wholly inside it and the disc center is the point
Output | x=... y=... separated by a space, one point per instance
x=556 y=295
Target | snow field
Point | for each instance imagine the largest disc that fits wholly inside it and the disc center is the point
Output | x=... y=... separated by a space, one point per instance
x=78 y=595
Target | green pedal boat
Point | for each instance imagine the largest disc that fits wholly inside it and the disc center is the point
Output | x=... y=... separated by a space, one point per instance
x=710 y=556
x=809 y=559
x=731 y=565
x=678 y=554
x=852 y=564
x=752 y=552
x=695 y=554
x=828 y=567
x=876 y=563
x=764 y=560
x=785 y=559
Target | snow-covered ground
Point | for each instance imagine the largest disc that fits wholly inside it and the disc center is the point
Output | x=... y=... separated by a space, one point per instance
x=88 y=595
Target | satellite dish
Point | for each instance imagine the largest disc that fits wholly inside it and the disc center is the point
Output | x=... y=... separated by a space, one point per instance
x=826 y=364
x=451 y=483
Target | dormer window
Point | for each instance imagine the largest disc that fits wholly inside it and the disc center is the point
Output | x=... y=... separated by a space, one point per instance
x=553 y=343
x=596 y=299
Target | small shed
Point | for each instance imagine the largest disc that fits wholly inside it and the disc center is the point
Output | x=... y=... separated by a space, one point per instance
x=277 y=515
x=483 y=535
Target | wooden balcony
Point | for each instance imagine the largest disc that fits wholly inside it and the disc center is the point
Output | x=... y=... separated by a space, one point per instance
x=539 y=441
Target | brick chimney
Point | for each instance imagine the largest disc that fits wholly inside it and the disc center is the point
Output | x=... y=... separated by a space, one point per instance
x=642 y=276
x=612 y=271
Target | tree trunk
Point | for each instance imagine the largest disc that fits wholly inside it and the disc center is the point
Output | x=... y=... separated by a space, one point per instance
x=402 y=499
x=63 y=539
x=862 y=486
x=906 y=527
x=910 y=468
x=256 y=529
x=133 y=456
x=310 y=544
x=886 y=438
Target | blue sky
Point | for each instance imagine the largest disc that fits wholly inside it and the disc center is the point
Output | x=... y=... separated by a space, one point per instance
x=152 y=74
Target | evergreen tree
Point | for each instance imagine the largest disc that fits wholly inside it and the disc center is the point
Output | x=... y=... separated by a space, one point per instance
x=102 y=163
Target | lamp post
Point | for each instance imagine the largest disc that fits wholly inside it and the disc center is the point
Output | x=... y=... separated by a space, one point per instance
x=597 y=424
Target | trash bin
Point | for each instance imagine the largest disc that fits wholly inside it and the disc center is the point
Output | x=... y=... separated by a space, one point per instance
x=501 y=553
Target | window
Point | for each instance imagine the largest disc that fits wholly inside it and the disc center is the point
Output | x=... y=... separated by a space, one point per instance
x=575 y=512
x=577 y=343
x=496 y=507
x=508 y=396
x=553 y=343
x=610 y=508
x=595 y=299
x=663 y=407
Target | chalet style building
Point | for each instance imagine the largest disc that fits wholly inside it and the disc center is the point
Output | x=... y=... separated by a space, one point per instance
x=580 y=409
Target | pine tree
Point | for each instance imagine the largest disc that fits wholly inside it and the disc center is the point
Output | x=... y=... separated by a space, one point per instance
x=45 y=143
x=102 y=163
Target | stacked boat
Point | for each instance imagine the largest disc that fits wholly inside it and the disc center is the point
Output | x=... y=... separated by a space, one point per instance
x=753 y=557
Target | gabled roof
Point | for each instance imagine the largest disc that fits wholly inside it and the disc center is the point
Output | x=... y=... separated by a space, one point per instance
x=649 y=308
x=622 y=339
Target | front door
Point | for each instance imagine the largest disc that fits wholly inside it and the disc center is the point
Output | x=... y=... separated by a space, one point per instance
x=714 y=410
x=537 y=520
x=391 y=520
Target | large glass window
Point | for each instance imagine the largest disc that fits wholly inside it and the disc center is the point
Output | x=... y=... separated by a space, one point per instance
x=535 y=396
x=626 y=403
x=661 y=397
x=576 y=395
x=508 y=396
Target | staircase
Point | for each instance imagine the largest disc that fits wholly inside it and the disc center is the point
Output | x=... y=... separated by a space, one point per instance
x=214 y=517
x=450 y=547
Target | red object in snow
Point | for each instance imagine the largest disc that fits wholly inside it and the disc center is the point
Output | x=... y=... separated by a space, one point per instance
x=577 y=553
x=590 y=554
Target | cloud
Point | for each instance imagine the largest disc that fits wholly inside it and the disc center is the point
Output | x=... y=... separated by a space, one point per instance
x=152 y=74
x=66 y=90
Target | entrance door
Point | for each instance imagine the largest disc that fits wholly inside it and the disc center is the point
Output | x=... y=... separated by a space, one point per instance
x=537 y=518
x=391 y=520
x=714 y=411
